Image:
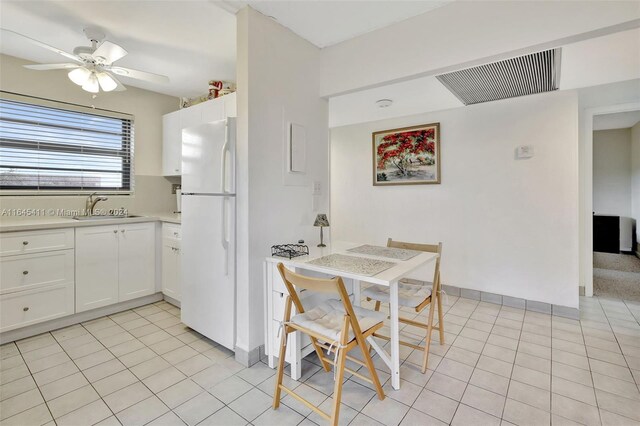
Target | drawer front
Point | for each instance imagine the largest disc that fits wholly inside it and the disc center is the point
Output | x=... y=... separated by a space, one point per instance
x=26 y=271
x=172 y=242
x=33 y=306
x=279 y=304
x=12 y=243
x=277 y=283
x=171 y=231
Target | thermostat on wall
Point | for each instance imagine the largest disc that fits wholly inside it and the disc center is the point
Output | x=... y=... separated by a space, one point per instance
x=524 y=151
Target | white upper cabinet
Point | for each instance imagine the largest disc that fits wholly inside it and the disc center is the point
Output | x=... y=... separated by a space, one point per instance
x=171 y=144
x=173 y=123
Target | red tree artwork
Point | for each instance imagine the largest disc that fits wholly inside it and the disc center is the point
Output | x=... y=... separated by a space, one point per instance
x=407 y=150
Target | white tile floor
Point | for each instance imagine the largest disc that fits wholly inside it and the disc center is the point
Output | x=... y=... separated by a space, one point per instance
x=500 y=366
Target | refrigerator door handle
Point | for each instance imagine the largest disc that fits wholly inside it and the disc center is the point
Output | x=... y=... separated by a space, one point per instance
x=225 y=241
x=223 y=160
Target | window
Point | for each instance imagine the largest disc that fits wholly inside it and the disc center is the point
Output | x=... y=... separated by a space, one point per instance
x=53 y=147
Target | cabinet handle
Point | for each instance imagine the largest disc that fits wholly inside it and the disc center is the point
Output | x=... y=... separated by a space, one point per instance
x=175 y=234
x=25 y=272
x=175 y=170
x=25 y=309
x=115 y=231
x=24 y=243
x=122 y=230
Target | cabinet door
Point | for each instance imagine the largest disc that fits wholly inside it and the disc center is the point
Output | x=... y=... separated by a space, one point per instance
x=213 y=110
x=171 y=268
x=137 y=260
x=96 y=267
x=171 y=144
x=191 y=116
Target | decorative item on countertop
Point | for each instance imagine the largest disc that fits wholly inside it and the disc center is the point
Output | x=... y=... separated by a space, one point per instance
x=289 y=250
x=321 y=221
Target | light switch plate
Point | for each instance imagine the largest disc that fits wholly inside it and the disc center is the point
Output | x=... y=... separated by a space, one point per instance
x=524 y=151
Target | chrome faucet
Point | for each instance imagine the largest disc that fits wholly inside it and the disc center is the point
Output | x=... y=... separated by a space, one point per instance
x=91 y=202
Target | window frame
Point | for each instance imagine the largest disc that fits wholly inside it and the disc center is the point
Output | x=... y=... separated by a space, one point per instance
x=127 y=168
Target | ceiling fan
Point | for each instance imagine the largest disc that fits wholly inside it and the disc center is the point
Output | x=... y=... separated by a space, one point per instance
x=92 y=67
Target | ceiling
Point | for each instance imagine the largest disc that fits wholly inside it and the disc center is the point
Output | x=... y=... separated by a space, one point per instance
x=619 y=120
x=324 y=23
x=191 y=42
x=596 y=61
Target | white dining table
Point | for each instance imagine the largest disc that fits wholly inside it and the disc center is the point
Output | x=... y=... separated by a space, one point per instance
x=389 y=278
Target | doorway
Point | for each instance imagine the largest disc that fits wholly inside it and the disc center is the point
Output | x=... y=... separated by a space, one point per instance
x=612 y=197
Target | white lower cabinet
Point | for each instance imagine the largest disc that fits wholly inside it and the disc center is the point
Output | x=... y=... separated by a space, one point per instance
x=113 y=264
x=171 y=261
x=29 y=307
x=96 y=267
x=136 y=260
x=36 y=277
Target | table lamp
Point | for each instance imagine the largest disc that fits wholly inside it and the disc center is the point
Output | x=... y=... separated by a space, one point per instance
x=321 y=221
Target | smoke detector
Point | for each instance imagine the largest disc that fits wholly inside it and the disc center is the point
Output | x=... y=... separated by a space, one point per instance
x=384 y=103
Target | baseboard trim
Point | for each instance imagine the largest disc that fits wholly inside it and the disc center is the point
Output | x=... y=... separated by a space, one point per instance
x=514 y=302
x=250 y=358
x=171 y=300
x=55 y=324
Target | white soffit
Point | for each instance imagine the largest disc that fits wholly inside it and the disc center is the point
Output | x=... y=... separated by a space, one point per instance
x=325 y=23
x=620 y=120
x=191 y=42
x=601 y=60
x=410 y=97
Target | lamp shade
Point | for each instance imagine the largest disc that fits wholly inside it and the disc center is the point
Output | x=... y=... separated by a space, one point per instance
x=79 y=76
x=321 y=220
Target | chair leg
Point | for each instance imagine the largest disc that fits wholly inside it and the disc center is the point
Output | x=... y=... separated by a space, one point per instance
x=425 y=359
x=337 y=389
x=283 y=350
x=440 y=317
x=372 y=369
x=325 y=364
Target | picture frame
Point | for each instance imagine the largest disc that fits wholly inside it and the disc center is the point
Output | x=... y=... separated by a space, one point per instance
x=407 y=155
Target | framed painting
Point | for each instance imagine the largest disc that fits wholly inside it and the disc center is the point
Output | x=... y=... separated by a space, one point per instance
x=407 y=156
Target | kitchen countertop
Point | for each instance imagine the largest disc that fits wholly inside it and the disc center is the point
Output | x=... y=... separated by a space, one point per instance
x=30 y=223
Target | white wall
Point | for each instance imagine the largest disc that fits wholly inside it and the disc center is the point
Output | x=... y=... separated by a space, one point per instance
x=612 y=172
x=508 y=226
x=152 y=190
x=462 y=32
x=278 y=83
x=635 y=178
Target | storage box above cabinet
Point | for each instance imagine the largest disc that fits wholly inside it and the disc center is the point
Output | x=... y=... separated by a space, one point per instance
x=173 y=123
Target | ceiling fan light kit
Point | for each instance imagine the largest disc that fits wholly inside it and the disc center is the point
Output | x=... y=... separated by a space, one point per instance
x=93 y=64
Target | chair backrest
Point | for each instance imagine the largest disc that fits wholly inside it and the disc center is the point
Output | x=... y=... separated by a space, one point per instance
x=333 y=285
x=430 y=248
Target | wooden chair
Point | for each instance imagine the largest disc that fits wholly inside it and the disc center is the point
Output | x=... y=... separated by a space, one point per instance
x=414 y=296
x=334 y=324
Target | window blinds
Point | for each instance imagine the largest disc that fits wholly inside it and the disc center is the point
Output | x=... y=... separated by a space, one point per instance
x=50 y=146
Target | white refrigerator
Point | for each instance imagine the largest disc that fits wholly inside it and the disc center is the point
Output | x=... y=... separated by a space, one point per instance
x=208 y=230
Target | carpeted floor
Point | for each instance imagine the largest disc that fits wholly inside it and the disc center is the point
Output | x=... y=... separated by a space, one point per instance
x=616 y=276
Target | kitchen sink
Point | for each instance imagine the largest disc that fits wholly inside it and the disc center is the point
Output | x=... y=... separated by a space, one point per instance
x=104 y=217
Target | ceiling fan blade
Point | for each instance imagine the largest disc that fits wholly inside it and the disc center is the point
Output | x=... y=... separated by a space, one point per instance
x=46 y=67
x=140 y=75
x=44 y=45
x=109 y=52
x=120 y=87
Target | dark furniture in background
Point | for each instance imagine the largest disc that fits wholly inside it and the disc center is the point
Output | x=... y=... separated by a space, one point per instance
x=606 y=234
